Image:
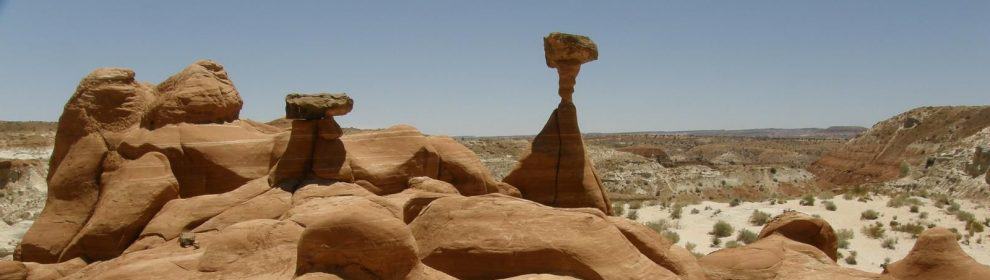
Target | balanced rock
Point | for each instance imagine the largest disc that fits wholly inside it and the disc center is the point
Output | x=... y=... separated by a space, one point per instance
x=566 y=53
x=558 y=171
x=936 y=255
x=317 y=106
x=806 y=229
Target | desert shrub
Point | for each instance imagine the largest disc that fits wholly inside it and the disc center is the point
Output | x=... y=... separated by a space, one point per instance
x=675 y=212
x=964 y=216
x=875 y=231
x=953 y=207
x=869 y=215
x=923 y=215
x=695 y=211
x=956 y=231
x=807 y=200
x=901 y=200
x=721 y=229
x=636 y=204
x=905 y=169
x=633 y=214
x=618 y=210
x=974 y=227
x=746 y=236
x=716 y=241
x=690 y=247
x=843 y=236
x=851 y=258
x=759 y=218
x=829 y=205
x=735 y=202
x=914 y=208
x=912 y=228
x=847 y=196
x=672 y=236
x=659 y=226
x=889 y=243
x=732 y=244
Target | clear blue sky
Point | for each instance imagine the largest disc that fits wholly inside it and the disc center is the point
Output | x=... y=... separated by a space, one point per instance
x=477 y=68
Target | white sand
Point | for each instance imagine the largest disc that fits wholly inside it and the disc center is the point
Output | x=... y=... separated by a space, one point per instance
x=694 y=228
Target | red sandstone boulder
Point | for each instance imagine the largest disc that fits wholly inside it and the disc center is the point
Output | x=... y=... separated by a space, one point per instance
x=776 y=257
x=936 y=255
x=496 y=236
x=201 y=93
x=803 y=228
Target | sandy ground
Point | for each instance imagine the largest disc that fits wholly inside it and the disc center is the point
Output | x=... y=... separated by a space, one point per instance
x=694 y=228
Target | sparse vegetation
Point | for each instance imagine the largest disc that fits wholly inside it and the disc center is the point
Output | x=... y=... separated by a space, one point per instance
x=695 y=211
x=636 y=204
x=618 y=210
x=732 y=244
x=869 y=215
x=633 y=214
x=759 y=218
x=690 y=247
x=735 y=202
x=875 y=231
x=672 y=236
x=659 y=226
x=889 y=243
x=829 y=205
x=843 y=236
x=807 y=200
x=851 y=258
x=746 y=236
x=721 y=229
x=912 y=228
x=902 y=200
x=914 y=209
x=675 y=212
x=905 y=169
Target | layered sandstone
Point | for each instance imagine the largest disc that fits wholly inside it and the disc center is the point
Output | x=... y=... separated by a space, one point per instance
x=558 y=171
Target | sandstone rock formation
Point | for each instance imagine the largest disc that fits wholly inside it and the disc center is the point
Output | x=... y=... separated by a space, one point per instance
x=803 y=228
x=557 y=171
x=137 y=166
x=936 y=255
x=776 y=257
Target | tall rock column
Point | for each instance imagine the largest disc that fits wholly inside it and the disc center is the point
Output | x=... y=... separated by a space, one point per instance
x=557 y=171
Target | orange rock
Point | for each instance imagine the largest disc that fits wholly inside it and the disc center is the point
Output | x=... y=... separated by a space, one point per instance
x=776 y=257
x=659 y=249
x=936 y=255
x=497 y=236
x=806 y=229
x=201 y=93
x=557 y=171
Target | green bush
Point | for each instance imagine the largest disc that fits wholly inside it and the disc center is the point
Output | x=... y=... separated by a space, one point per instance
x=672 y=236
x=735 y=202
x=746 y=236
x=690 y=247
x=659 y=226
x=964 y=216
x=732 y=244
x=759 y=218
x=905 y=169
x=636 y=204
x=869 y=215
x=913 y=228
x=843 y=236
x=807 y=200
x=618 y=210
x=675 y=213
x=953 y=207
x=721 y=229
x=695 y=211
x=974 y=227
x=889 y=243
x=633 y=214
x=914 y=208
x=875 y=231
x=851 y=258
x=829 y=205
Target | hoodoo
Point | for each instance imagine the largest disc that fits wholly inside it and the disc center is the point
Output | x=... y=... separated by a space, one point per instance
x=558 y=171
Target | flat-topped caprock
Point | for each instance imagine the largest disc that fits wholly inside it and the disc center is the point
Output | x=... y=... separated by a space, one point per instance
x=566 y=53
x=317 y=106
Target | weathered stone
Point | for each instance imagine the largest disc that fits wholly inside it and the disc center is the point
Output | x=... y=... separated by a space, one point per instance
x=317 y=106
x=567 y=52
